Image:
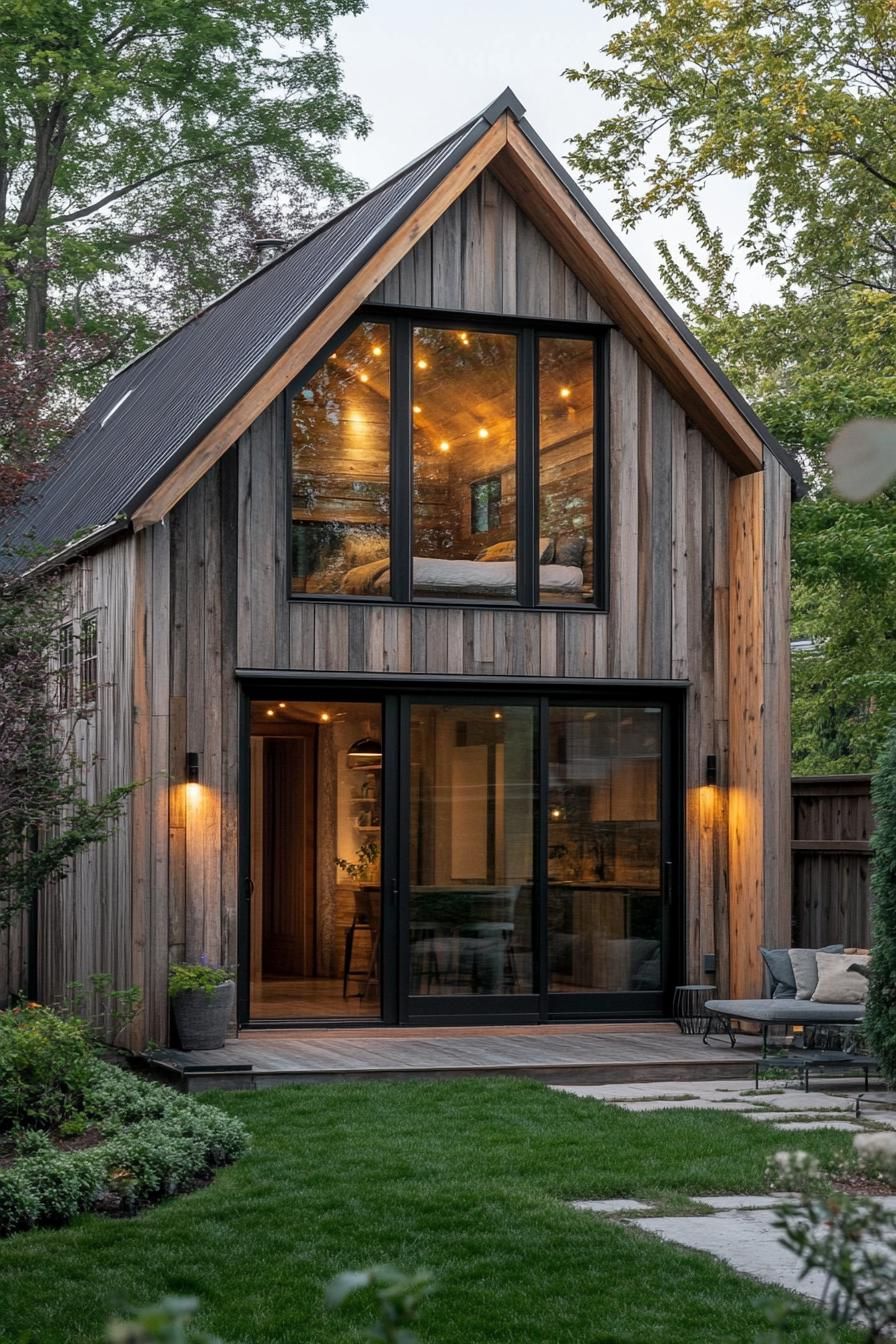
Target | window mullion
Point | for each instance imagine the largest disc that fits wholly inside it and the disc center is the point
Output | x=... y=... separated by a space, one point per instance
x=526 y=475
x=401 y=466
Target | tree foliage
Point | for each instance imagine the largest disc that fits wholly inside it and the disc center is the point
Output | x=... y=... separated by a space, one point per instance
x=810 y=365
x=46 y=813
x=880 y=1014
x=795 y=96
x=144 y=142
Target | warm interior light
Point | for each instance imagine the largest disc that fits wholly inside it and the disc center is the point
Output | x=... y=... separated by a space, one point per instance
x=270 y=713
x=377 y=349
x=282 y=704
x=365 y=377
x=325 y=718
x=498 y=714
x=483 y=432
x=422 y=364
x=556 y=813
x=444 y=446
x=417 y=410
x=565 y=391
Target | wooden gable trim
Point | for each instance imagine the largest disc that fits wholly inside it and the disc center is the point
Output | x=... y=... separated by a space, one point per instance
x=322 y=329
x=536 y=189
x=566 y=226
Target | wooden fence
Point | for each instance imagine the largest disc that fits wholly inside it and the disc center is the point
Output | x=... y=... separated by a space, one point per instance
x=832 y=825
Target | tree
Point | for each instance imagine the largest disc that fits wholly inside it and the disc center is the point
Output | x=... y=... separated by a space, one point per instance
x=880 y=1014
x=796 y=96
x=810 y=365
x=144 y=142
x=46 y=816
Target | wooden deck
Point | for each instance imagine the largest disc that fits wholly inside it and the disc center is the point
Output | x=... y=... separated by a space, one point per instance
x=553 y=1054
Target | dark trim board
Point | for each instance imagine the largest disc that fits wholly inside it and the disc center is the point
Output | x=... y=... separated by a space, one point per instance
x=290 y=679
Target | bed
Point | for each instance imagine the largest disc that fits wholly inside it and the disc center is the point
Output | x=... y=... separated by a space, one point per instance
x=462 y=578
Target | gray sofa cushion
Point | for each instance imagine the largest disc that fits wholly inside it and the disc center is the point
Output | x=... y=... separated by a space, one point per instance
x=780 y=970
x=790 y=1012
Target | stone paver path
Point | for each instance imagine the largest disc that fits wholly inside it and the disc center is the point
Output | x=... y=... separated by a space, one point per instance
x=740 y=1230
x=783 y=1107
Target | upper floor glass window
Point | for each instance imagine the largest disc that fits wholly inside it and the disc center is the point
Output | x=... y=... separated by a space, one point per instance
x=444 y=463
x=340 y=465
x=89 y=660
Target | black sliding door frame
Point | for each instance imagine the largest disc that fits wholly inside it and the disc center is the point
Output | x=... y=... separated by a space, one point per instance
x=461 y=1009
x=399 y=1007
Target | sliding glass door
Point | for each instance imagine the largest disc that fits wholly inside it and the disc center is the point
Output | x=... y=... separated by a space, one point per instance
x=472 y=809
x=605 y=858
x=467 y=858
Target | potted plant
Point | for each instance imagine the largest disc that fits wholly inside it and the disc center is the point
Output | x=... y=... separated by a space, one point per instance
x=202 y=997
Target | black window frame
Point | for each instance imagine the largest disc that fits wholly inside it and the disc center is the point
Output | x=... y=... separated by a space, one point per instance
x=89 y=659
x=65 y=666
x=528 y=331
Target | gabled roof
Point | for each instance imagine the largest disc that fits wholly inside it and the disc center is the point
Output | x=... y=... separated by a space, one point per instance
x=155 y=411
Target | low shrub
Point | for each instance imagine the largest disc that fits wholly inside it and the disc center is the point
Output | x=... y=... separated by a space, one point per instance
x=46 y=1067
x=191 y=975
x=155 y=1142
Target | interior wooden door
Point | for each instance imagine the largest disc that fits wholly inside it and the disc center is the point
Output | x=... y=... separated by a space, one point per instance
x=288 y=921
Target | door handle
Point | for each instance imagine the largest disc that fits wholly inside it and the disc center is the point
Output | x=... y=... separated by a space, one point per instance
x=248 y=889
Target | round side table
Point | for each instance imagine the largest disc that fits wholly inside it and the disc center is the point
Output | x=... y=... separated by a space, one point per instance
x=687 y=1008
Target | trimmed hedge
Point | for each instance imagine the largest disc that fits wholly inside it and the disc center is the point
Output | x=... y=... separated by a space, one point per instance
x=155 y=1142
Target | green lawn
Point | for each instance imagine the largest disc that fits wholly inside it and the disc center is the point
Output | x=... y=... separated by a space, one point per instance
x=465 y=1178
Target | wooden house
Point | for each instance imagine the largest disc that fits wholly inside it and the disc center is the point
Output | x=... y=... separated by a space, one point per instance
x=434 y=584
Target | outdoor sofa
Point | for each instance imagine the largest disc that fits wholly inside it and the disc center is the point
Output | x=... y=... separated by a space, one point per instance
x=778 y=1013
x=793 y=975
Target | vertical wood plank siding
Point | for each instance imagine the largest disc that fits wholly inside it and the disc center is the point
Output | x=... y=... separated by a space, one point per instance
x=84 y=921
x=209 y=589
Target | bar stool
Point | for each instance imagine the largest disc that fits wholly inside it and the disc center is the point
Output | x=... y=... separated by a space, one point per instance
x=366 y=916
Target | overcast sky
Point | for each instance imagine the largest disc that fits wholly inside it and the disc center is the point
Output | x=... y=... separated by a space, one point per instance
x=421 y=69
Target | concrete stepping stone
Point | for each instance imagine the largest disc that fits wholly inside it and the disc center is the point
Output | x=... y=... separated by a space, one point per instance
x=746 y=1239
x=848 y=1126
x=744 y=1201
x=612 y=1205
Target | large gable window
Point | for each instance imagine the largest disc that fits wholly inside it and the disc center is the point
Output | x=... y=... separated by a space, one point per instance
x=446 y=463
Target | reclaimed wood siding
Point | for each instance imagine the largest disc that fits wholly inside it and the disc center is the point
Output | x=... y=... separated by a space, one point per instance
x=667 y=618
x=485 y=256
x=84 y=919
x=224 y=604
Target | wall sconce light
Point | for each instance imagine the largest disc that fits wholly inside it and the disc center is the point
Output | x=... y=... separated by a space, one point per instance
x=192 y=767
x=712 y=769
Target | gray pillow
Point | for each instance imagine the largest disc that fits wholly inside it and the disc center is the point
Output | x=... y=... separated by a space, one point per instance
x=804 y=961
x=780 y=970
x=569 y=550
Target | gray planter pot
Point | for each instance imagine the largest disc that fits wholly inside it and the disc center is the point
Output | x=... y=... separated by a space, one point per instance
x=202 y=1018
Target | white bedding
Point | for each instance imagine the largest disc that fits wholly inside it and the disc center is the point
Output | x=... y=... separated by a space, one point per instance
x=496 y=578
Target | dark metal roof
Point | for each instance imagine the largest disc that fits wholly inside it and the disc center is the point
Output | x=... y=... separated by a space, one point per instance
x=156 y=409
